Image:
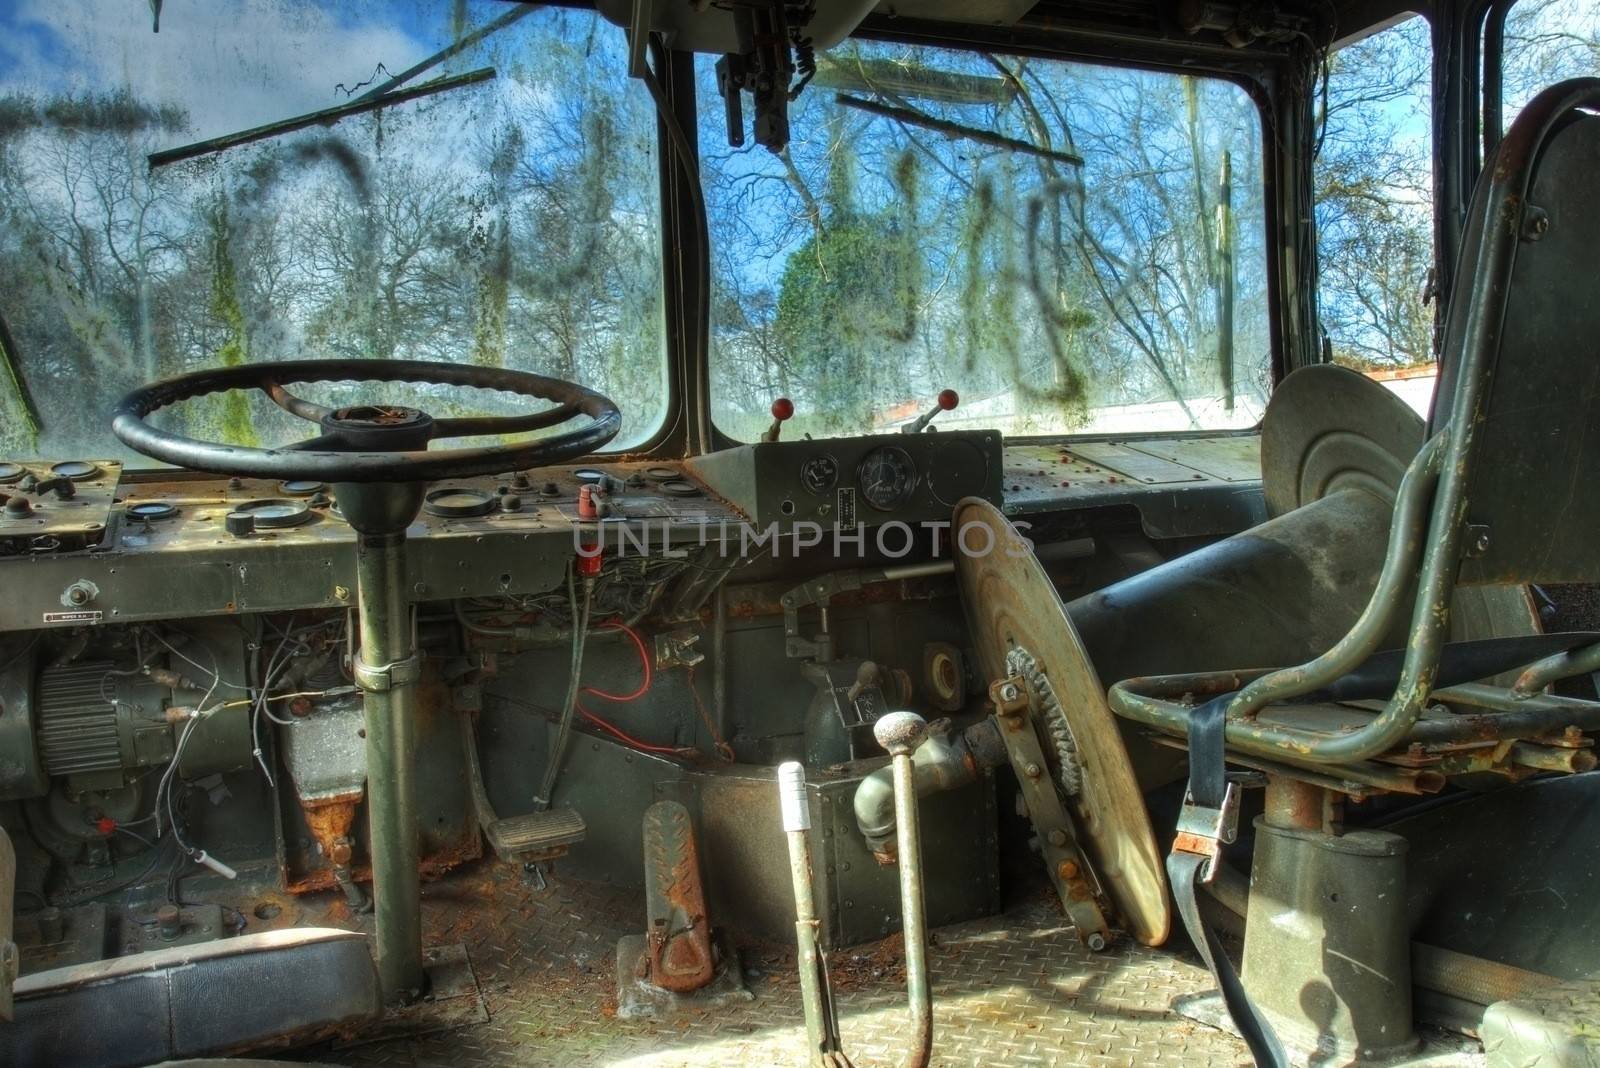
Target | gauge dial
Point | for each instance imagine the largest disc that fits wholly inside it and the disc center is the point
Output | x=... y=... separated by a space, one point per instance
x=819 y=474
x=887 y=476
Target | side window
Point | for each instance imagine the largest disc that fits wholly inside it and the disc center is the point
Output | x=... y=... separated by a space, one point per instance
x=1546 y=41
x=1374 y=178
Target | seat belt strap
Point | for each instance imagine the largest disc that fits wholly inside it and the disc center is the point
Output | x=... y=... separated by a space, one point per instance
x=1210 y=819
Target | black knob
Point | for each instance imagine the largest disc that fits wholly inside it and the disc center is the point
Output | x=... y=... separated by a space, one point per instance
x=511 y=503
x=520 y=482
x=18 y=507
x=239 y=524
x=550 y=490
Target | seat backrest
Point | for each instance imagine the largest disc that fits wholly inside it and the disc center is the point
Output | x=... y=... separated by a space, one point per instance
x=1532 y=309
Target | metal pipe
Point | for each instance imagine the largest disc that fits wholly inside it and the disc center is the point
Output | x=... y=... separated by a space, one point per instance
x=386 y=671
x=1585 y=661
x=719 y=660
x=901 y=733
x=1399 y=563
x=943 y=762
x=822 y=1028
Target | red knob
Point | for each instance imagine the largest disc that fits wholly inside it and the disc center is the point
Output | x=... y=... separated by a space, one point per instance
x=948 y=399
x=587 y=508
x=782 y=408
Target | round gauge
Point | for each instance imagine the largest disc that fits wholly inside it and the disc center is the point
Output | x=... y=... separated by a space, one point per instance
x=273 y=513
x=887 y=476
x=301 y=487
x=457 y=502
x=591 y=475
x=152 y=511
x=680 y=487
x=819 y=474
x=75 y=470
x=10 y=473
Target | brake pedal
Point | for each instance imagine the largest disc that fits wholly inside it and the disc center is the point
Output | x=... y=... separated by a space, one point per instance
x=518 y=839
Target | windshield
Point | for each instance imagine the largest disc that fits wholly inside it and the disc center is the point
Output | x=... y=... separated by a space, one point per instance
x=508 y=216
x=1072 y=248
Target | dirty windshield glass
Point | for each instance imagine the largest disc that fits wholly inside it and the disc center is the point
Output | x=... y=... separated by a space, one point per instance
x=1072 y=248
x=505 y=215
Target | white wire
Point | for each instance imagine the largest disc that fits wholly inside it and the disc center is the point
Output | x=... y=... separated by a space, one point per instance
x=212 y=670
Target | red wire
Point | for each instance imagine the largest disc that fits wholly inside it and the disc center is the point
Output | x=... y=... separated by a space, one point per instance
x=623 y=736
x=644 y=688
x=644 y=665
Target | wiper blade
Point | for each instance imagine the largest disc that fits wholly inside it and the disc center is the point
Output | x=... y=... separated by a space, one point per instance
x=912 y=117
x=325 y=117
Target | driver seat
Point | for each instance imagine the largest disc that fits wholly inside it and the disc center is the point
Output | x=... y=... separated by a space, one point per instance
x=271 y=988
x=1501 y=492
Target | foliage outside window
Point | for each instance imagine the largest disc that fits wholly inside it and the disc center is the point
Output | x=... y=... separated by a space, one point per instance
x=929 y=227
x=1374 y=186
x=513 y=222
x=1547 y=41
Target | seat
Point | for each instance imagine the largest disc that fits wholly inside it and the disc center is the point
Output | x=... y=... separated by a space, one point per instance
x=1501 y=491
x=270 y=988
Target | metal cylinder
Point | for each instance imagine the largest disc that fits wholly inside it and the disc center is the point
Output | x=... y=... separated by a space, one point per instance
x=914 y=920
x=901 y=733
x=391 y=762
x=820 y=1033
x=1246 y=601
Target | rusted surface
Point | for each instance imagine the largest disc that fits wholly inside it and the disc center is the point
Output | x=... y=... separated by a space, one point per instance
x=678 y=954
x=330 y=822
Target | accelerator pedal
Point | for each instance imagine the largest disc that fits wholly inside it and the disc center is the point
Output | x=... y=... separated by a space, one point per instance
x=518 y=839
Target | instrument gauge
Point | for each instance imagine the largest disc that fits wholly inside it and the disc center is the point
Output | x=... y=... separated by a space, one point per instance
x=887 y=476
x=819 y=474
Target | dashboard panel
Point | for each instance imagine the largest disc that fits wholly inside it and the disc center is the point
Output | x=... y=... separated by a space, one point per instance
x=120 y=547
x=866 y=481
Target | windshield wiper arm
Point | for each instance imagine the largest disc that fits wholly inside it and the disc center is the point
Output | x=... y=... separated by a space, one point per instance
x=913 y=117
x=460 y=44
x=325 y=117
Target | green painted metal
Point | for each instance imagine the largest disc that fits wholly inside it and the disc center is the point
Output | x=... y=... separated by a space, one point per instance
x=391 y=761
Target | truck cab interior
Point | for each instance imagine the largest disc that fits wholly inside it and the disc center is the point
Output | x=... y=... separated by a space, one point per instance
x=823 y=533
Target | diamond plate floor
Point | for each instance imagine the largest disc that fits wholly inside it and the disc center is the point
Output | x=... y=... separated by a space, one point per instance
x=1015 y=989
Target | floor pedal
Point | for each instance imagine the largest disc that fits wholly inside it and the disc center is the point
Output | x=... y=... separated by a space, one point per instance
x=519 y=837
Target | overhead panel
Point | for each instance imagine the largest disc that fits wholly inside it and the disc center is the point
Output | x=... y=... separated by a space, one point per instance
x=983 y=12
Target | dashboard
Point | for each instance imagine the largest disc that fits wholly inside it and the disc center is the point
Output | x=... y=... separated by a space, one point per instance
x=85 y=542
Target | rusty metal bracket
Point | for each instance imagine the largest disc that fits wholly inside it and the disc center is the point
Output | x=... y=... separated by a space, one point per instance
x=1064 y=858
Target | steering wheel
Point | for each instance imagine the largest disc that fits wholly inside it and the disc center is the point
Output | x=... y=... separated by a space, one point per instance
x=371 y=443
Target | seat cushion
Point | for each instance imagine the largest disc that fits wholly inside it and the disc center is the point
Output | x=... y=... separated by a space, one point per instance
x=255 y=990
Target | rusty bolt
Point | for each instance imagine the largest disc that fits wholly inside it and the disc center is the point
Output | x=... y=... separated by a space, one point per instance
x=341 y=593
x=1067 y=869
x=1096 y=941
x=1057 y=837
x=169 y=922
x=1009 y=692
x=300 y=706
x=1033 y=771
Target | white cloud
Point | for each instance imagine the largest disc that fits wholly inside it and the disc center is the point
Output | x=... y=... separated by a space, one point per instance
x=231 y=65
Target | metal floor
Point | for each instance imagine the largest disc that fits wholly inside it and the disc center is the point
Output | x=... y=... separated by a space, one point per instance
x=1015 y=989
